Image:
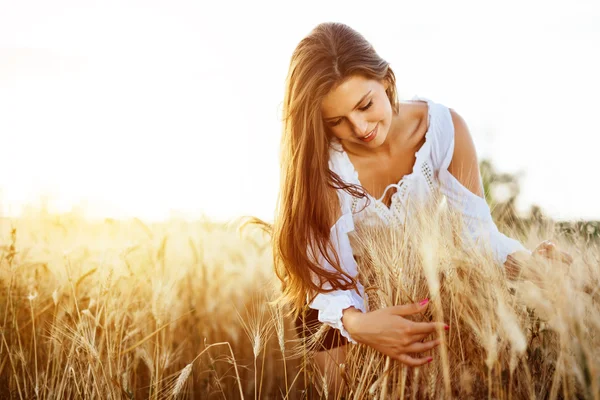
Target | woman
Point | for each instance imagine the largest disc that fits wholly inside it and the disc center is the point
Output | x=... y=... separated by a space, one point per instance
x=342 y=121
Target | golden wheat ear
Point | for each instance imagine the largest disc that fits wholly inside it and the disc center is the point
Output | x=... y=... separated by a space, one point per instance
x=513 y=331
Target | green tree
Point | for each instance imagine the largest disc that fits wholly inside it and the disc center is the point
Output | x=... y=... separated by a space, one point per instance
x=501 y=193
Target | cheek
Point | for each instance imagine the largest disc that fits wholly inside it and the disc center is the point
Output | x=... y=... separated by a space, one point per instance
x=383 y=109
x=342 y=131
x=338 y=132
x=383 y=116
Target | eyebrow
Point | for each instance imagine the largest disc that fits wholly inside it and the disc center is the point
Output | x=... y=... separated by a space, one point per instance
x=357 y=104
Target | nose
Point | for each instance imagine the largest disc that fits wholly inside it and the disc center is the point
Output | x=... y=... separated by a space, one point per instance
x=359 y=125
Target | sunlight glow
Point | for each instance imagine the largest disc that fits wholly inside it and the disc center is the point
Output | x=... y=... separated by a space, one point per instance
x=155 y=109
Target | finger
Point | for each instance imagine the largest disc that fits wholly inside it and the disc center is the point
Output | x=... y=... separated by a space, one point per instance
x=545 y=253
x=419 y=347
x=556 y=255
x=566 y=257
x=552 y=253
x=545 y=250
x=540 y=246
x=427 y=327
x=413 y=362
x=420 y=337
x=547 y=244
x=541 y=253
x=409 y=309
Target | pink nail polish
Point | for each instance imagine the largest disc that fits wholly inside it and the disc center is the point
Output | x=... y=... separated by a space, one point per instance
x=424 y=302
x=430 y=359
x=446 y=327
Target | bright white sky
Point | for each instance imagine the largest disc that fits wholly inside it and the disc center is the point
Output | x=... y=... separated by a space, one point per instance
x=139 y=108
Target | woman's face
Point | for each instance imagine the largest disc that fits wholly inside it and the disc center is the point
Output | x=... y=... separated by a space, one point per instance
x=358 y=111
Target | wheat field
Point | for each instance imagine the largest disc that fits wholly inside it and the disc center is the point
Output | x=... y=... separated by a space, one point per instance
x=125 y=309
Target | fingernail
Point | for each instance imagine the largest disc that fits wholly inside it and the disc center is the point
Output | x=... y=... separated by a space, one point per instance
x=430 y=359
x=446 y=327
x=424 y=302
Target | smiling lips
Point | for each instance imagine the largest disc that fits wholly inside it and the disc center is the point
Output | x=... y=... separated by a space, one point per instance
x=370 y=136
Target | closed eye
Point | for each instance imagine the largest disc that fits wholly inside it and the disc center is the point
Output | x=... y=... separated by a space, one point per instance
x=365 y=108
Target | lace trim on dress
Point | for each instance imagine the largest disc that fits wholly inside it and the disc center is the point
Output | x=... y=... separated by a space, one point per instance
x=421 y=167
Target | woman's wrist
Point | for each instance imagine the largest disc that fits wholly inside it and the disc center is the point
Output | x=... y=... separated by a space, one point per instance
x=350 y=318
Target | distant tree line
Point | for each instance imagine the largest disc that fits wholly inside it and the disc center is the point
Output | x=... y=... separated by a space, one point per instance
x=501 y=192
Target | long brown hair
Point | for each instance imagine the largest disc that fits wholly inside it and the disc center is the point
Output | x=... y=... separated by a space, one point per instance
x=308 y=204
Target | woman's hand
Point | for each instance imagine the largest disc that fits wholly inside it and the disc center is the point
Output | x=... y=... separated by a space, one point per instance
x=549 y=250
x=387 y=331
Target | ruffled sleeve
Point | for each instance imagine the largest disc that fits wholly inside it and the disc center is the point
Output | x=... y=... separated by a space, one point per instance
x=331 y=305
x=479 y=224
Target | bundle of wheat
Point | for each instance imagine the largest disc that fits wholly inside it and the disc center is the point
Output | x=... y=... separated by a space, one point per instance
x=533 y=336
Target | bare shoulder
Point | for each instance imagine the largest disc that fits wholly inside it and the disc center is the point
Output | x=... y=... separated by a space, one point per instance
x=464 y=147
x=464 y=164
x=460 y=125
x=416 y=120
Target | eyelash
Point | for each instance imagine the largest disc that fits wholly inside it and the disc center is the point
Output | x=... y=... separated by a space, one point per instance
x=365 y=108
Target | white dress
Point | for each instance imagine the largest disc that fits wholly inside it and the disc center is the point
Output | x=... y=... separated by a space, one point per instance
x=430 y=170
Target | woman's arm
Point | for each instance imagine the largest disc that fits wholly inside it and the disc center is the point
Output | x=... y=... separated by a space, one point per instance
x=386 y=329
x=333 y=305
x=464 y=167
